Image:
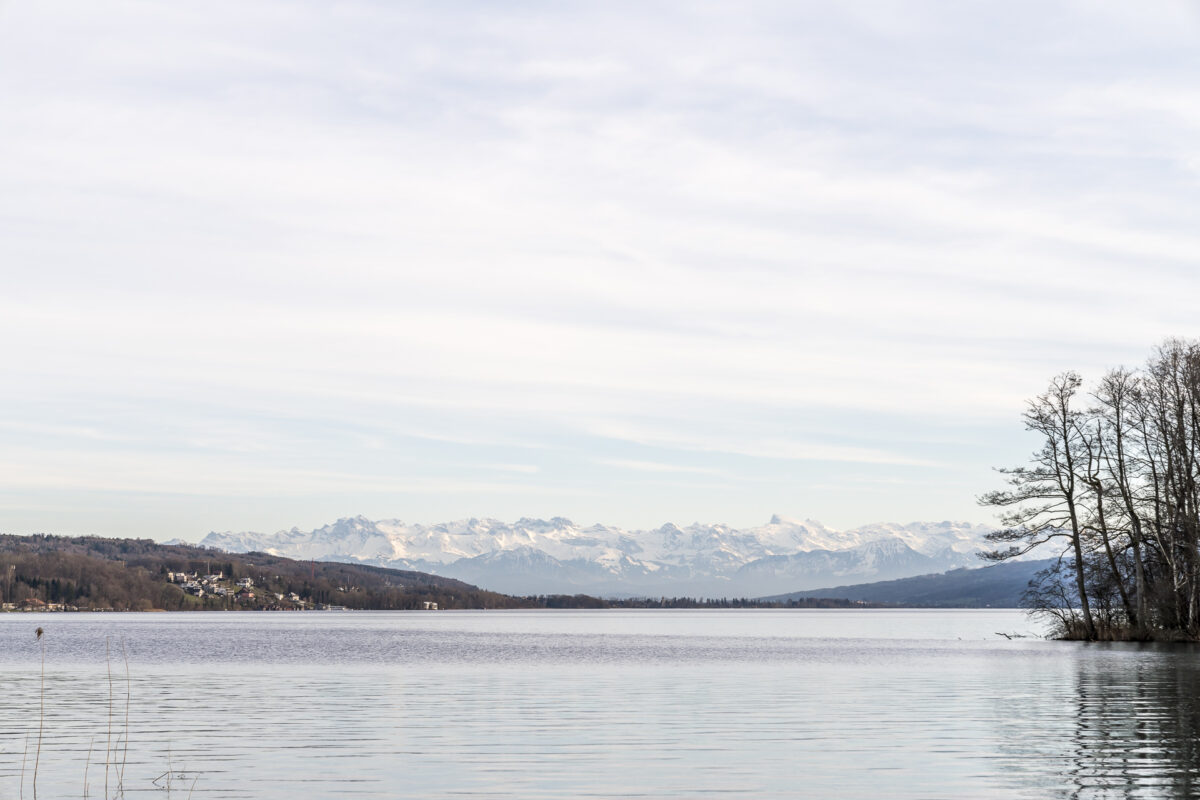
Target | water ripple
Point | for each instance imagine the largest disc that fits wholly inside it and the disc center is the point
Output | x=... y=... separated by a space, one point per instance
x=612 y=705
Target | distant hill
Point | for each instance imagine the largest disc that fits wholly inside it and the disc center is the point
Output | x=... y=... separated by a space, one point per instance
x=134 y=574
x=997 y=586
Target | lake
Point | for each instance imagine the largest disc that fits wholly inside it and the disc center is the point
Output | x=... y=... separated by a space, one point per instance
x=614 y=703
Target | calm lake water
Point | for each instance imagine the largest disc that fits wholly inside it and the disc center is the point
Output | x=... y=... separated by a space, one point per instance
x=563 y=704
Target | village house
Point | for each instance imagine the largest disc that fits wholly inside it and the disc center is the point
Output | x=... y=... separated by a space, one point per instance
x=245 y=583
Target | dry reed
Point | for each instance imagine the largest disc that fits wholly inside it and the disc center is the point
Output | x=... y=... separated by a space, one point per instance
x=128 y=694
x=24 y=758
x=86 y=765
x=108 y=744
x=37 y=759
x=111 y=754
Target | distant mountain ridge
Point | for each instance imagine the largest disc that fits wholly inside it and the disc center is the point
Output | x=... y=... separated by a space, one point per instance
x=998 y=586
x=535 y=556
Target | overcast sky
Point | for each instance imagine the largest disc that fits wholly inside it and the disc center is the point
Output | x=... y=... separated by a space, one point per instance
x=270 y=263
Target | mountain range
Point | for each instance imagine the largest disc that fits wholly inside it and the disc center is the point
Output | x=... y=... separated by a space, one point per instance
x=556 y=556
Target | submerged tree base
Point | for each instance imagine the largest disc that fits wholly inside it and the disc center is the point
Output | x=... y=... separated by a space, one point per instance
x=1075 y=630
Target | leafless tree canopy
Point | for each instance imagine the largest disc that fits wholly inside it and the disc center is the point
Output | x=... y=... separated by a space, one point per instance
x=1113 y=491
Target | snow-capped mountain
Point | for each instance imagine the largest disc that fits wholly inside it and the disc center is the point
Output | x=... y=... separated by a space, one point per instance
x=534 y=556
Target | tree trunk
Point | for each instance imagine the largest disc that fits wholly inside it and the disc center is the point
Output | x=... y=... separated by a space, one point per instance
x=1130 y=614
x=1080 y=582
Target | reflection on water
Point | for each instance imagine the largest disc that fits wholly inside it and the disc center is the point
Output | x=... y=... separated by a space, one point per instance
x=1137 y=723
x=602 y=704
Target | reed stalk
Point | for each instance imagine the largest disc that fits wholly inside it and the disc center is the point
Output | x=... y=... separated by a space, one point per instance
x=108 y=743
x=87 y=764
x=112 y=749
x=37 y=758
x=24 y=756
x=128 y=694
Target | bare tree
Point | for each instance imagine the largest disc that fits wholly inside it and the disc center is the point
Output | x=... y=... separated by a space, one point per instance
x=1172 y=385
x=1119 y=486
x=1099 y=523
x=1044 y=502
x=1119 y=413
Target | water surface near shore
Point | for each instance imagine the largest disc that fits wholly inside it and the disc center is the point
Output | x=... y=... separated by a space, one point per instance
x=628 y=703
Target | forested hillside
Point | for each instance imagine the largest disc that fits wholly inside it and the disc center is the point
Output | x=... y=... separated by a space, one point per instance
x=132 y=574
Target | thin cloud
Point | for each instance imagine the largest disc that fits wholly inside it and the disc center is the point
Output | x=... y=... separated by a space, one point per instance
x=656 y=466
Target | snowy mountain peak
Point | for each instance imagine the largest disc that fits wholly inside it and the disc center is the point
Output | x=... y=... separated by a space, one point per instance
x=555 y=555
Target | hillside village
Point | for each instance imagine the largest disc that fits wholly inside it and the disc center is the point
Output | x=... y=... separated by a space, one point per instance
x=240 y=591
x=215 y=586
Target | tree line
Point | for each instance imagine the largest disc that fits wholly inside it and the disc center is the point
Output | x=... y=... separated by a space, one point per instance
x=1113 y=491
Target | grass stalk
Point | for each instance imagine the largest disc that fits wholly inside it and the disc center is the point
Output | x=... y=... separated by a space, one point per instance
x=108 y=743
x=128 y=694
x=24 y=756
x=116 y=753
x=37 y=758
x=87 y=764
